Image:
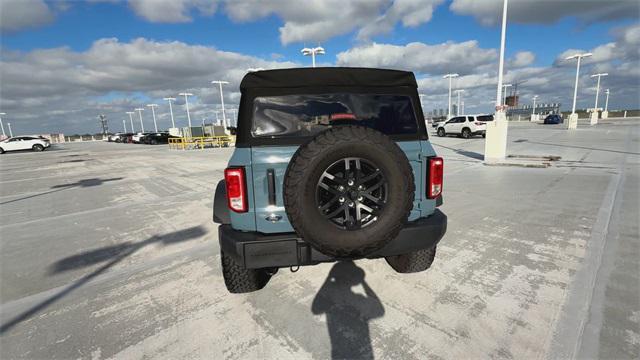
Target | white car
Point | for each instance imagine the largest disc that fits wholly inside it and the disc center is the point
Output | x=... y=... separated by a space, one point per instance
x=24 y=143
x=136 y=137
x=465 y=126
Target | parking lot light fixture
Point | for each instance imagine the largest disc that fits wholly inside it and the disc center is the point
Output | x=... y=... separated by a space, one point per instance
x=2 y=126
x=313 y=52
x=534 y=104
x=140 y=110
x=153 y=113
x=458 y=92
x=131 y=120
x=224 y=116
x=598 y=87
x=449 y=76
x=606 y=102
x=170 y=99
x=575 y=89
x=495 y=145
x=186 y=105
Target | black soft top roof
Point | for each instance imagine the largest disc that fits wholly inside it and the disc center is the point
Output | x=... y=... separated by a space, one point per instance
x=327 y=76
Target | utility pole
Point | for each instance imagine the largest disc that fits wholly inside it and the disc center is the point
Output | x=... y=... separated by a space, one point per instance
x=10 y=132
x=170 y=99
x=573 y=118
x=140 y=110
x=153 y=113
x=130 y=113
x=186 y=104
x=124 y=125
x=224 y=116
x=449 y=76
x=103 y=123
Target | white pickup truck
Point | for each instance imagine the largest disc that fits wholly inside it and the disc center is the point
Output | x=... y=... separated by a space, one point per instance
x=465 y=126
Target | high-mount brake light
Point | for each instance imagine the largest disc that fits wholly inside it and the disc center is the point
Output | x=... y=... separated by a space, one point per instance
x=435 y=176
x=235 y=180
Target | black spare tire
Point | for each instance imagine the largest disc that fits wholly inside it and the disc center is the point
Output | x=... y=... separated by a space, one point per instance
x=349 y=191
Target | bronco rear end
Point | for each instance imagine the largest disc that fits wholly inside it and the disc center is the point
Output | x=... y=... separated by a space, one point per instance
x=330 y=163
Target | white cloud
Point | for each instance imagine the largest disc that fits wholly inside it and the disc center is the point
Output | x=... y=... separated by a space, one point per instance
x=64 y=88
x=463 y=57
x=16 y=15
x=319 y=20
x=171 y=11
x=523 y=58
x=489 y=12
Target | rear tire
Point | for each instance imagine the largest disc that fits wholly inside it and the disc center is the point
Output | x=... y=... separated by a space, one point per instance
x=484 y=135
x=466 y=133
x=37 y=147
x=239 y=280
x=413 y=262
x=441 y=132
x=1 y=151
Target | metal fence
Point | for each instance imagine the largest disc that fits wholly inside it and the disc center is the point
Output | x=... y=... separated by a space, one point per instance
x=201 y=142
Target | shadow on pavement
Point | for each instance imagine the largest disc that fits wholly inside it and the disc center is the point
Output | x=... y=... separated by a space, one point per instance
x=467 y=153
x=112 y=254
x=579 y=147
x=348 y=313
x=81 y=183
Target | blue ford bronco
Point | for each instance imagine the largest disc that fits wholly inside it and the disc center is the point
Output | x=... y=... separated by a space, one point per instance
x=330 y=164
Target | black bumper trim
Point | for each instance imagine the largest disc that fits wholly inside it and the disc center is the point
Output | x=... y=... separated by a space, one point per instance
x=256 y=250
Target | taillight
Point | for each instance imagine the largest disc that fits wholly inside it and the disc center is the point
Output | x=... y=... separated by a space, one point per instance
x=434 y=183
x=236 y=189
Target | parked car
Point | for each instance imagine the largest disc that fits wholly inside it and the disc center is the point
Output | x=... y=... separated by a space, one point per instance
x=328 y=168
x=158 y=138
x=24 y=143
x=137 y=138
x=466 y=126
x=553 y=119
x=126 y=138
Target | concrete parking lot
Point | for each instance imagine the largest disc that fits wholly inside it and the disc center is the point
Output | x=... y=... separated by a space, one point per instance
x=108 y=251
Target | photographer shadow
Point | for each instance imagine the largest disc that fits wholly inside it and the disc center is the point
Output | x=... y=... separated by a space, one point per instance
x=347 y=312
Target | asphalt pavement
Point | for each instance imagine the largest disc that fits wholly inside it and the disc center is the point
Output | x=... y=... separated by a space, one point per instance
x=108 y=251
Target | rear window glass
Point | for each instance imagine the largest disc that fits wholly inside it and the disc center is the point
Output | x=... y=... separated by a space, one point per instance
x=307 y=115
x=485 y=118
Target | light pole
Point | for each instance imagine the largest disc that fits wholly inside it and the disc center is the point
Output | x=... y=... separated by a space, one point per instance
x=124 y=125
x=573 y=118
x=594 y=118
x=2 y=126
x=217 y=116
x=313 y=51
x=186 y=104
x=170 y=99
x=131 y=119
x=504 y=93
x=224 y=116
x=449 y=76
x=153 y=113
x=605 y=113
x=140 y=110
x=458 y=92
x=534 y=117
x=495 y=145
x=10 y=132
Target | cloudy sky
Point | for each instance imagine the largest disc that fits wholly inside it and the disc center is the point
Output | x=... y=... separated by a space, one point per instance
x=64 y=62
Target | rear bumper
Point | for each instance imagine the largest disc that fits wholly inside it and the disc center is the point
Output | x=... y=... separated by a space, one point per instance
x=256 y=250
